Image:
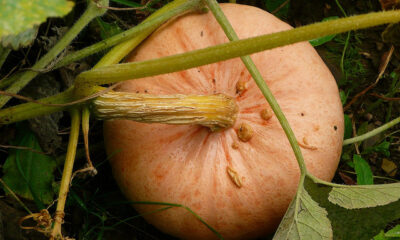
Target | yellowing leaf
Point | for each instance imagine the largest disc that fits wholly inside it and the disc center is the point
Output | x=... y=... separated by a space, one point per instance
x=17 y=16
x=304 y=219
x=356 y=197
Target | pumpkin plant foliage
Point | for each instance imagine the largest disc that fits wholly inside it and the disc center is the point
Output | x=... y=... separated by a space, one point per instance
x=28 y=171
x=349 y=212
x=17 y=16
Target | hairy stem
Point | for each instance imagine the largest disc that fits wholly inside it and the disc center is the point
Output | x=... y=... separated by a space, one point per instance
x=213 y=54
x=3 y=54
x=67 y=172
x=372 y=133
x=139 y=33
x=214 y=111
x=31 y=110
x=251 y=67
x=121 y=72
x=91 y=12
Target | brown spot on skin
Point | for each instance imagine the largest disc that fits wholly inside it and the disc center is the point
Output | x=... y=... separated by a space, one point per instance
x=235 y=145
x=335 y=127
x=201 y=34
x=241 y=86
x=302 y=114
x=305 y=144
x=245 y=132
x=316 y=128
x=234 y=176
x=266 y=114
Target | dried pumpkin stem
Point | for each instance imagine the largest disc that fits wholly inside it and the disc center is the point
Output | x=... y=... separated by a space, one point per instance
x=67 y=172
x=214 y=111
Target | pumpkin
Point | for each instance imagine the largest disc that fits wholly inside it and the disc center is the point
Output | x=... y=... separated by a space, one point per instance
x=240 y=180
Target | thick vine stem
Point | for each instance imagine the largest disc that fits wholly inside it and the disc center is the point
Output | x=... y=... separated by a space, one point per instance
x=372 y=133
x=213 y=111
x=251 y=67
x=67 y=172
x=121 y=72
x=132 y=37
x=91 y=12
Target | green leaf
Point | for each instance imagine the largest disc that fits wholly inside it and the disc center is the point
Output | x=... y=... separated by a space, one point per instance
x=363 y=171
x=279 y=7
x=356 y=197
x=21 y=40
x=17 y=16
x=28 y=172
x=383 y=148
x=348 y=127
x=325 y=39
x=349 y=224
x=304 y=219
x=381 y=236
x=394 y=232
x=108 y=30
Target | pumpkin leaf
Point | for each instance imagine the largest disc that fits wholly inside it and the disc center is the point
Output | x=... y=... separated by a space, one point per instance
x=394 y=232
x=363 y=171
x=304 y=219
x=356 y=197
x=23 y=39
x=360 y=223
x=18 y=16
x=29 y=172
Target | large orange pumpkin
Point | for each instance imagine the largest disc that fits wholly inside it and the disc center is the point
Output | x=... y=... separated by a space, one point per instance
x=243 y=185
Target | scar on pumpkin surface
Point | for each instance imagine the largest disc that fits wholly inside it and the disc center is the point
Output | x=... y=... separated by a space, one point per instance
x=305 y=144
x=234 y=176
x=245 y=132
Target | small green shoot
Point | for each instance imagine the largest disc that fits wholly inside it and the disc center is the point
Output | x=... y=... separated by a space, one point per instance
x=363 y=170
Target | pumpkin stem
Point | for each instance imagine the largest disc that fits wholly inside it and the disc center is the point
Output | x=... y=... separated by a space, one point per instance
x=214 y=111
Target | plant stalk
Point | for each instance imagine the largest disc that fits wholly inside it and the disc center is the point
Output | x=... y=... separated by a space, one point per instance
x=91 y=12
x=67 y=172
x=132 y=37
x=3 y=54
x=372 y=133
x=213 y=111
x=125 y=71
x=251 y=67
x=209 y=55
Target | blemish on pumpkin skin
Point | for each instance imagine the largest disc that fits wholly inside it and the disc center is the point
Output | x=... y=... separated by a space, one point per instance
x=234 y=176
x=245 y=132
x=235 y=145
x=241 y=86
x=266 y=114
x=305 y=144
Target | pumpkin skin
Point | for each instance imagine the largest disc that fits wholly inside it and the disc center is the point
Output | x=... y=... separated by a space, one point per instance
x=187 y=164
